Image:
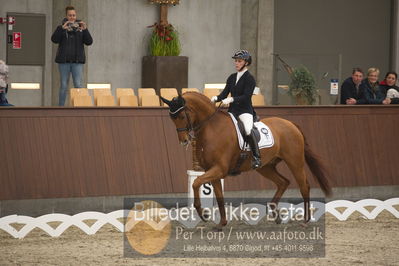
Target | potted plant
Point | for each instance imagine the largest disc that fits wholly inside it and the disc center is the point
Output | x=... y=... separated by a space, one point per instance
x=302 y=86
x=164 y=41
x=164 y=68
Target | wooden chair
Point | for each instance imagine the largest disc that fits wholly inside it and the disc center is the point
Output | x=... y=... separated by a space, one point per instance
x=124 y=91
x=145 y=91
x=150 y=100
x=105 y=100
x=184 y=90
x=82 y=101
x=128 y=100
x=98 y=92
x=211 y=92
x=258 y=100
x=77 y=91
x=168 y=94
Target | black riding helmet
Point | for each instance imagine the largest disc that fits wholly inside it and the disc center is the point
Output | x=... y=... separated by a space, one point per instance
x=243 y=54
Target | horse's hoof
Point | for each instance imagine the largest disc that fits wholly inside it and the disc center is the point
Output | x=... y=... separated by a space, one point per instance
x=205 y=217
x=278 y=219
x=305 y=224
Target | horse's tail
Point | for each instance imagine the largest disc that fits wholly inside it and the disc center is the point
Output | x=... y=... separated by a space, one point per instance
x=317 y=167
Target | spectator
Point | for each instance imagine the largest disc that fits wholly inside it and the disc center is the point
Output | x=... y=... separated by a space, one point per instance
x=370 y=89
x=3 y=84
x=71 y=36
x=389 y=88
x=350 y=92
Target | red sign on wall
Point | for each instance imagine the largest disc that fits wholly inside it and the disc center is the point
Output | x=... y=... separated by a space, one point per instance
x=16 y=40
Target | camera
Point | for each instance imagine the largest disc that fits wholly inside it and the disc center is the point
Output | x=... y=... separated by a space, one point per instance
x=72 y=26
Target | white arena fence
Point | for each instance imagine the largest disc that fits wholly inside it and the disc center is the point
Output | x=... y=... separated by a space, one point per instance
x=30 y=223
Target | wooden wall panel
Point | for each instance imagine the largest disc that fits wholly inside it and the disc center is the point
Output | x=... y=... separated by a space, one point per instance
x=83 y=152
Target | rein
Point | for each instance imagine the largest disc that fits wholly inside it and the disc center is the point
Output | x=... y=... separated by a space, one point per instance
x=190 y=128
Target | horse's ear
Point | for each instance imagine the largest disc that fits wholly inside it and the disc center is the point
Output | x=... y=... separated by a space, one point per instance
x=165 y=101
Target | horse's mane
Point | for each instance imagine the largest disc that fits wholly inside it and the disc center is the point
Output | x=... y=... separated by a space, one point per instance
x=196 y=96
x=199 y=97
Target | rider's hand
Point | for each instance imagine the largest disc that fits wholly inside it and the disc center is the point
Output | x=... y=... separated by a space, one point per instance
x=214 y=99
x=228 y=100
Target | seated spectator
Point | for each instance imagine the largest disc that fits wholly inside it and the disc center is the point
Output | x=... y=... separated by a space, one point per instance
x=389 y=88
x=370 y=89
x=3 y=84
x=350 y=93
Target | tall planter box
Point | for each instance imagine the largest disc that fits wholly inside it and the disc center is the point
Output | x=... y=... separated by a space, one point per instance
x=165 y=72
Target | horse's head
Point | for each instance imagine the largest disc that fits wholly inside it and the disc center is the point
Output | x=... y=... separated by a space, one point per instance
x=179 y=114
x=190 y=113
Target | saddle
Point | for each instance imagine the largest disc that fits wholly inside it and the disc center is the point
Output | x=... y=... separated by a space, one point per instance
x=242 y=130
x=263 y=136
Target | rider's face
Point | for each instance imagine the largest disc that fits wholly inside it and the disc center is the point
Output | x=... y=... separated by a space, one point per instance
x=239 y=63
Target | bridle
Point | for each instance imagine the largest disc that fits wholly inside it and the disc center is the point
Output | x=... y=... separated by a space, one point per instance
x=190 y=128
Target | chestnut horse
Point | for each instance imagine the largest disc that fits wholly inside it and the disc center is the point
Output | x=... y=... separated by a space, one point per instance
x=196 y=116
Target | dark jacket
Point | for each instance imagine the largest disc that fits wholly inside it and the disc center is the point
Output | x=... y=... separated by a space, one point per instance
x=3 y=99
x=384 y=89
x=241 y=92
x=370 y=96
x=349 y=90
x=71 y=45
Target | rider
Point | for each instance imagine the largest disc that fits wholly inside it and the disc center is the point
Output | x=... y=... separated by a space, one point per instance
x=241 y=85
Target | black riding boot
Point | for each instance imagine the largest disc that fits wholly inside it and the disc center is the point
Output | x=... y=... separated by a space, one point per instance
x=256 y=163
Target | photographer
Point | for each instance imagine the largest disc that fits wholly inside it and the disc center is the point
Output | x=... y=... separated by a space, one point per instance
x=71 y=36
x=3 y=84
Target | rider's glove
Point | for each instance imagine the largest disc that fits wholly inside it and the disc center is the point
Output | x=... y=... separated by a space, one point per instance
x=228 y=100
x=214 y=99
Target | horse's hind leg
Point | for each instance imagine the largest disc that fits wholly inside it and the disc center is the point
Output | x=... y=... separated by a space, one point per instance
x=299 y=173
x=269 y=171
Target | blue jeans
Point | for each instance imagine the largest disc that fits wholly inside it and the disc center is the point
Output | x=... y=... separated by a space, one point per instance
x=65 y=70
x=3 y=99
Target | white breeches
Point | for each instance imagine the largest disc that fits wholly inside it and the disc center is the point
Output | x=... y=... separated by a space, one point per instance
x=248 y=121
x=392 y=93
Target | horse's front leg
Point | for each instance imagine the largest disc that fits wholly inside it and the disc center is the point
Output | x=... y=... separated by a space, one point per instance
x=211 y=175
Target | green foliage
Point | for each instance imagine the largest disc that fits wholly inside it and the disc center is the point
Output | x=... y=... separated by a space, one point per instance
x=303 y=85
x=164 y=41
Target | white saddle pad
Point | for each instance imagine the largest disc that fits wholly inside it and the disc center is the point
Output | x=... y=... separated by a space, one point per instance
x=266 y=135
